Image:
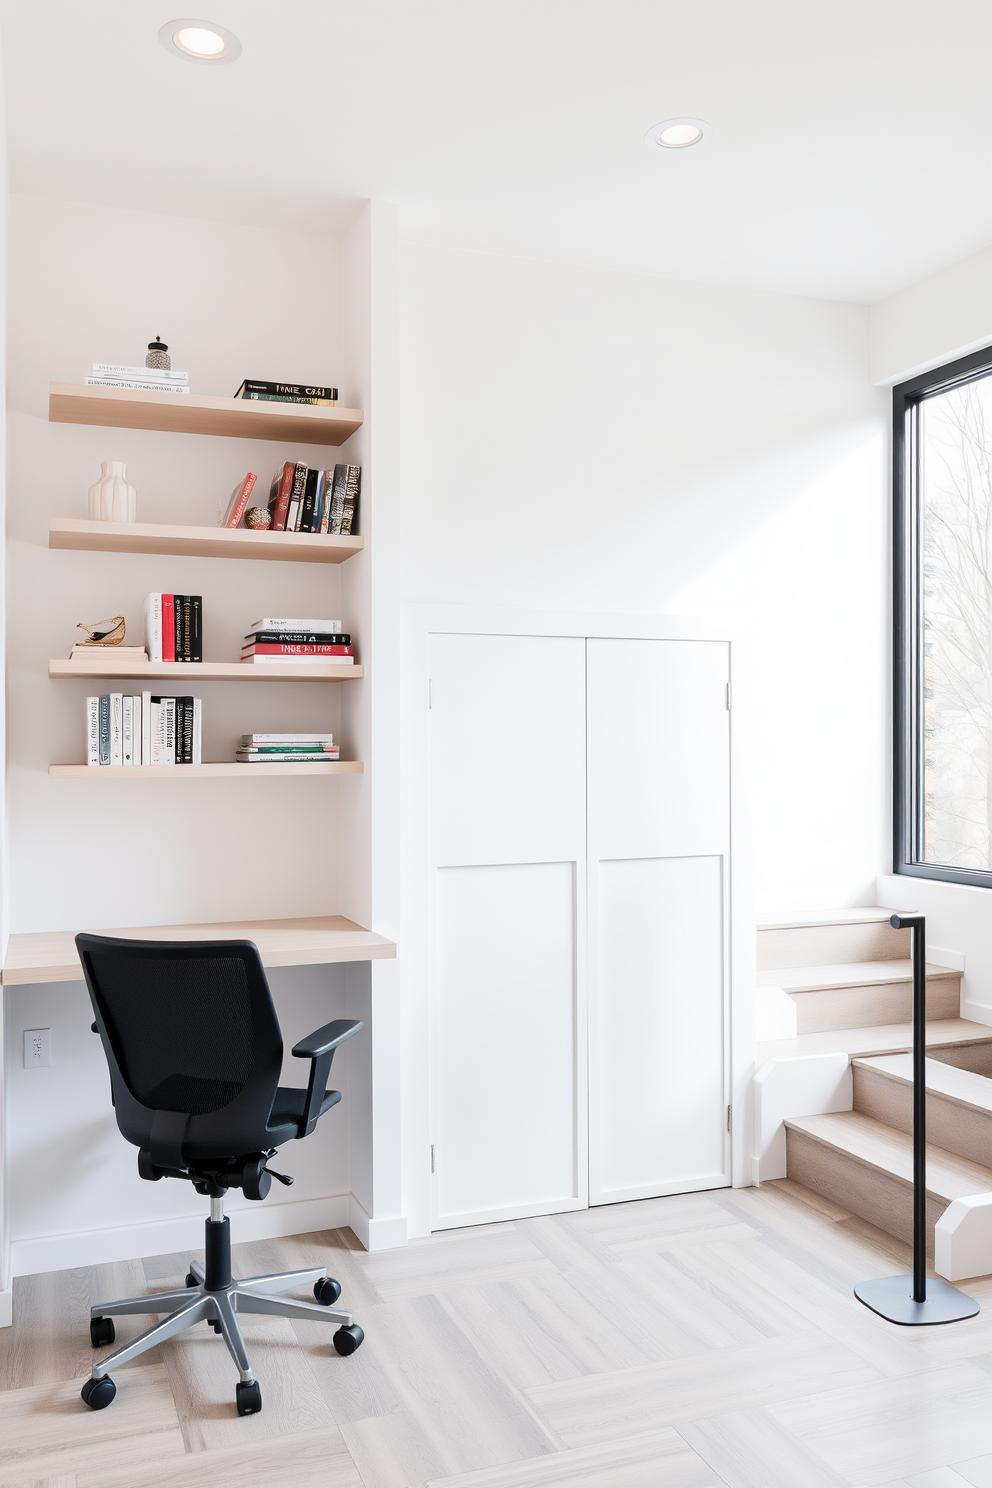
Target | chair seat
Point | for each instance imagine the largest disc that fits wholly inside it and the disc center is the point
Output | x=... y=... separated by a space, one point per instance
x=289 y=1104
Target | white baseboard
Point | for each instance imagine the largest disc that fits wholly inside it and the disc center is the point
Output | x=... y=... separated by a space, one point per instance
x=162 y=1237
x=376 y=1234
x=6 y=1309
x=975 y=1012
x=953 y=960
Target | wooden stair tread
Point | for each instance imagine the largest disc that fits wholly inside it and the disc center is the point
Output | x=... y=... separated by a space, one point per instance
x=800 y=979
x=809 y=920
x=889 y=1151
x=958 y=1085
x=885 y=1038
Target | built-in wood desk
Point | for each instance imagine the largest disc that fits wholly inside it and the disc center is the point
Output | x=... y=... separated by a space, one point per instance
x=50 y=956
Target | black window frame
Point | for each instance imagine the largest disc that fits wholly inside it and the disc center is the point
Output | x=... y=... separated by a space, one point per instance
x=907 y=630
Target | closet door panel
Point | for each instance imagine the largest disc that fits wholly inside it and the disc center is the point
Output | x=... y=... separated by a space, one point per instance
x=506 y=1115
x=658 y=841
x=507 y=834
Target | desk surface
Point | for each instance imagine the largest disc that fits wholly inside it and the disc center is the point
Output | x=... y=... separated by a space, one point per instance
x=50 y=956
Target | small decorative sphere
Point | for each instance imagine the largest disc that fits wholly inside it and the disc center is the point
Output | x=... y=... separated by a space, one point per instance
x=258 y=517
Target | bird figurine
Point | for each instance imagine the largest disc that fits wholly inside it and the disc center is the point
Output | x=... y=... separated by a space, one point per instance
x=104 y=632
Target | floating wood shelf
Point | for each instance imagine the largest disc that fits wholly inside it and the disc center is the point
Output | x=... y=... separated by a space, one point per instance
x=200 y=671
x=181 y=413
x=199 y=542
x=50 y=956
x=230 y=769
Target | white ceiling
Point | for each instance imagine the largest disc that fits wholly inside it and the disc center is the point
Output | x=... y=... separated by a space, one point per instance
x=850 y=152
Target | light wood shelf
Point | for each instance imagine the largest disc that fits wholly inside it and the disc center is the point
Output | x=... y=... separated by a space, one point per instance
x=200 y=671
x=229 y=769
x=182 y=413
x=199 y=542
x=50 y=956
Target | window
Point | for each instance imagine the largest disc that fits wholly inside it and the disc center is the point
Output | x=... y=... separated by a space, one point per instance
x=942 y=448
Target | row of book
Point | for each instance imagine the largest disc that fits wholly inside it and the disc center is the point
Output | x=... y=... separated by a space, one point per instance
x=306 y=500
x=276 y=639
x=288 y=392
x=174 y=627
x=291 y=749
x=143 y=729
x=138 y=379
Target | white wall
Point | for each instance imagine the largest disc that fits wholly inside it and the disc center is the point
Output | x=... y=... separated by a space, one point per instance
x=935 y=320
x=93 y=284
x=581 y=439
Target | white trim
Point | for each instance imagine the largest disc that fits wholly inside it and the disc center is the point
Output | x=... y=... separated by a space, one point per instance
x=163 y=1237
x=976 y=1012
x=376 y=1234
x=6 y=1309
x=953 y=960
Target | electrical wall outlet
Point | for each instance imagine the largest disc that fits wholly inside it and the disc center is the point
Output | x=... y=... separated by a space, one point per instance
x=37 y=1048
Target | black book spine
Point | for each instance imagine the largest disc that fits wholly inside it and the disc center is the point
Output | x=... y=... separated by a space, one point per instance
x=285 y=389
x=187 y=651
x=309 y=497
x=184 y=729
x=196 y=627
x=337 y=500
x=353 y=484
x=299 y=638
x=296 y=499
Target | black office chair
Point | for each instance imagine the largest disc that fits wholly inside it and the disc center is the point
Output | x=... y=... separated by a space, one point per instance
x=195 y=1054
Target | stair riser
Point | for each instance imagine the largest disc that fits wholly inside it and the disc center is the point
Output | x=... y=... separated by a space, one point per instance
x=956 y=1128
x=974 y=1057
x=831 y=945
x=877 y=1197
x=871 y=1007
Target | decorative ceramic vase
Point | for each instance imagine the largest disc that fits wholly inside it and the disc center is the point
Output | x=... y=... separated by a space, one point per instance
x=111 y=498
x=158 y=355
x=258 y=518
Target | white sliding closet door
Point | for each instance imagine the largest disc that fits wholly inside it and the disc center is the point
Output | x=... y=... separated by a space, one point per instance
x=659 y=828
x=507 y=825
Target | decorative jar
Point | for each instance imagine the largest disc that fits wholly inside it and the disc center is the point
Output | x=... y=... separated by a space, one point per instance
x=111 y=498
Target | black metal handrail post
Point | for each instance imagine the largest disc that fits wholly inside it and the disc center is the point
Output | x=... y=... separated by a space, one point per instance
x=912 y=1299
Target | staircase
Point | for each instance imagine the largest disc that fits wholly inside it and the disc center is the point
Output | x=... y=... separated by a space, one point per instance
x=841 y=985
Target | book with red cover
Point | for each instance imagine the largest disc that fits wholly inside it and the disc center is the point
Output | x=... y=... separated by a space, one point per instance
x=168 y=627
x=239 y=500
x=282 y=489
x=269 y=649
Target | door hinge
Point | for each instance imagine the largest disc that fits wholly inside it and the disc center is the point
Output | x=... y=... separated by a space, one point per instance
x=728 y=697
x=729 y=1118
x=432 y=1157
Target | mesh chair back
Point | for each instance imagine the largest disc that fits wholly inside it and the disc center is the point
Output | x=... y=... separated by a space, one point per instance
x=189 y=1029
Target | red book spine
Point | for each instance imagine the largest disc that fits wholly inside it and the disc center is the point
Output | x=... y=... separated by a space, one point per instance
x=168 y=627
x=241 y=505
x=280 y=505
x=301 y=650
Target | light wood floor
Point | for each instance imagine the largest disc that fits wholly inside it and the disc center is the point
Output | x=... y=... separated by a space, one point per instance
x=689 y=1342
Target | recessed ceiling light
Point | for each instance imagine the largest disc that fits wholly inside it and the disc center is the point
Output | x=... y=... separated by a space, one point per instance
x=676 y=134
x=199 y=41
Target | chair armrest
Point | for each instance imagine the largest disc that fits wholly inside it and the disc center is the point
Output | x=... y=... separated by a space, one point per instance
x=325 y=1040
x=319 y=1047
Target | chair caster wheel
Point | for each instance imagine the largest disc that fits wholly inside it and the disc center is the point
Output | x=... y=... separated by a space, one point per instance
x=249 y=1398
x=98 y=1393
x=347 y=1340
x=101 y=1333
x=215 y=1324
x=191 y=1280
x=327 y=1291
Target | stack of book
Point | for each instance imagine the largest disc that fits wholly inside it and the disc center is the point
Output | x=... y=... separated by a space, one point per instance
x=288 y=392
x=325 y=501
x=174 y=627
x=139 y=379
x=274 y=639
x=287 y=749
x=142 y=729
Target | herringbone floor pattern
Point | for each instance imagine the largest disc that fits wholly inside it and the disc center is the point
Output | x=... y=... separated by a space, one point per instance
x=688 y=1342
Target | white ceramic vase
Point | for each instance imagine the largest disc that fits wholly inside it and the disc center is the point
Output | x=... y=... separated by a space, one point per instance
x=111 y=498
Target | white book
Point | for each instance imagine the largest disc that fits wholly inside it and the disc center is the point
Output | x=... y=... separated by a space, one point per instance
x=138 y=374
x=127 y=729
x=137 y=387
x=197 y=731
x=318 y=627
x=92 y=730
x=162 y=730
x=116 y=728
x=248 y=740
x=298 y=661
x=146 y=726
x=153 y=627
